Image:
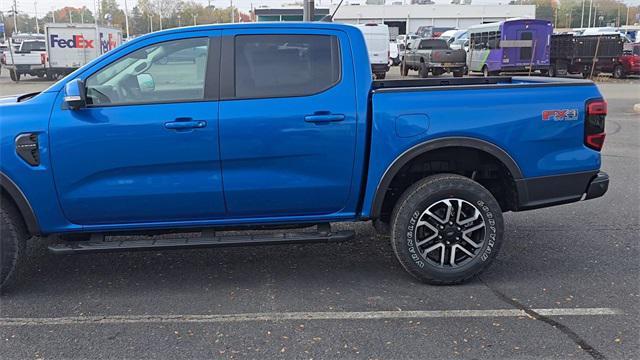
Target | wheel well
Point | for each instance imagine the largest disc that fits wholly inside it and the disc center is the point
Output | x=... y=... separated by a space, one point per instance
x=10 y=192
x=7 y=200
x=473 y=163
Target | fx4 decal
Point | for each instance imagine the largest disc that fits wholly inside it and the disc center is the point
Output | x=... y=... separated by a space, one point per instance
x=560 y=115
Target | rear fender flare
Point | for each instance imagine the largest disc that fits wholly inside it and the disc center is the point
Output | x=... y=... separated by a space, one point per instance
x=431 y=145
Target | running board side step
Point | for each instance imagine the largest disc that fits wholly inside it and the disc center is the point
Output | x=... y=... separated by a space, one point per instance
x=97 y=244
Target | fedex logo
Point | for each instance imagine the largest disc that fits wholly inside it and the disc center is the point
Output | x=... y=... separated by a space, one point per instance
x=76 y=42
x=108 y=43
x=560 y=115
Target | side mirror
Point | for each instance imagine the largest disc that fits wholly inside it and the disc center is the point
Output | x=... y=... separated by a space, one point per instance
x=74 y=94
x=146 y=82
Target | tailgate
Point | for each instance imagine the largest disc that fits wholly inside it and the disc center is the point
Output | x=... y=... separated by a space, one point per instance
x=23 y=59
x=448 y=56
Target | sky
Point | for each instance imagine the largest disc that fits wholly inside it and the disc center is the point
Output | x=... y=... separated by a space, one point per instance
x=44 y=6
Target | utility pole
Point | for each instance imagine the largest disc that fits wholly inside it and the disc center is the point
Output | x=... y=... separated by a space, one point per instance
x=82 y=15
x=590 y=6
x=15 y=16
x=35 y=7
x=96 y=11
x=627 y=22
x=582 y=16
x=126 y=18
x=232 y=17
x=194 y=19
x=309 y=9
x=53 y=15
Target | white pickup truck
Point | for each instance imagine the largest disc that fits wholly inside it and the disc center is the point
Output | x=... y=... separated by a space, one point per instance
x=29 y=59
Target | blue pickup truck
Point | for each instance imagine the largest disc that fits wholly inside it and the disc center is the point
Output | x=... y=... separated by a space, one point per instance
x=280 y=130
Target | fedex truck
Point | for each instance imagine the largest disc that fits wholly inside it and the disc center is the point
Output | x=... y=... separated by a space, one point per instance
x=70 y=46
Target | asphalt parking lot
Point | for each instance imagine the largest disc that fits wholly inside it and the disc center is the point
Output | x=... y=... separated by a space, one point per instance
x=565 y=285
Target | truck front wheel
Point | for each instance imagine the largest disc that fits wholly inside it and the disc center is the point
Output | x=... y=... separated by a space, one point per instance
x=446 y=229
x=13 y=237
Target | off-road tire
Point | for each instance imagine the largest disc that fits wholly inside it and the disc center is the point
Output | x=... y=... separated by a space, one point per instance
x=411 y=207
x=13 y=237
x=458 y=73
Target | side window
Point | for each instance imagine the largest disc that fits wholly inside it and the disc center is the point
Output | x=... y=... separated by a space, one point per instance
x=163 y=72
x=285 y=65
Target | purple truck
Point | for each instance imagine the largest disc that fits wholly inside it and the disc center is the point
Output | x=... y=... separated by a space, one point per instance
x=517 y=45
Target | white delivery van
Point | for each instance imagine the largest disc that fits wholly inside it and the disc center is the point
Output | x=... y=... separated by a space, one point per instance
x=376 y=36
x=70 y=46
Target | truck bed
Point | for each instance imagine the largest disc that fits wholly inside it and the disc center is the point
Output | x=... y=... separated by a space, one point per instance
x=473 y=82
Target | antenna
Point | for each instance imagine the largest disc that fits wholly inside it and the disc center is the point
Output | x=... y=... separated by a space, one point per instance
x=329 y=18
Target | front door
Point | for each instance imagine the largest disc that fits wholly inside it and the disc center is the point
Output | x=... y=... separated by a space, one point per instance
x=287 y=122
x=145 y=149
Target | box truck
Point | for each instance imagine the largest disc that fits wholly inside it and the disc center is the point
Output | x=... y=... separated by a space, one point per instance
x=70 y=46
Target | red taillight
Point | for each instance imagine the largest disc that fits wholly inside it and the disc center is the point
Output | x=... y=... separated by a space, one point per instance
x=598 y=107
x=594 y=124
x=43 y=58
x=595 y=141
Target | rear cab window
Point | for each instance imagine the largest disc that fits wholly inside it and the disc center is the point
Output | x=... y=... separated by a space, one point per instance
x=283 y=65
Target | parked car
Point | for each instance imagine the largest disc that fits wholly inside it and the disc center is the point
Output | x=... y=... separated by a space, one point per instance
x=453 y=35
x=428 y=31
x=376 y=37
x=460 y=44
x=584 y=55
x=435 y=56
x=629 y=63
x=4 y=46
x=287 y=130
x=29 y=59
x=401 y=39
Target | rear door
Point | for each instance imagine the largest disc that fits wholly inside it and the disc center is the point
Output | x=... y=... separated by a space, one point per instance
x=287 y=121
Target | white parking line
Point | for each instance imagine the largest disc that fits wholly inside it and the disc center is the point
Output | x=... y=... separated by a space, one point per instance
x=284 y=316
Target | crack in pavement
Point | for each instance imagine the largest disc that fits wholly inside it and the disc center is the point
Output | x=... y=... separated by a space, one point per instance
x=582 y=343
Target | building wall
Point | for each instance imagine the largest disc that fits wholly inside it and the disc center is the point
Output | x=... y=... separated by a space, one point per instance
x=458 y=16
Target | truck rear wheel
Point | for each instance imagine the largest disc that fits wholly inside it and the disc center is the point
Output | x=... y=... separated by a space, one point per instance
x=552 y=70
x=423 y=72
x=13 y=237
x=404 y=70
x=14 y=75
x=381 y=75
x=618 y=72
x=446 y=229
